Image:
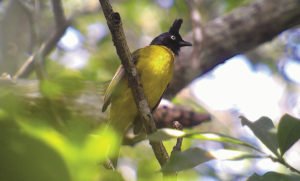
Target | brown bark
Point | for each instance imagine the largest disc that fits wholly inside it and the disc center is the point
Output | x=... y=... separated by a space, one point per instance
x=232 y=34
x=115 y=26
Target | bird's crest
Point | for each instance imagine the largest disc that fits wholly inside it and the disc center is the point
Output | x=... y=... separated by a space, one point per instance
x=174 y=29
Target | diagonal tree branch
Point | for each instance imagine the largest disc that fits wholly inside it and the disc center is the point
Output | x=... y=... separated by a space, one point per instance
x=115 y=25
x=243 y=29
x=58 y=12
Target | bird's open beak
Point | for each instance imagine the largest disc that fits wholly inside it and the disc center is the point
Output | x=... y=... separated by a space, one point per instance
x=184 y=43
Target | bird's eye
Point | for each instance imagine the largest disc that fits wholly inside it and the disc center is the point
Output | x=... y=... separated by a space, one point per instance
x=173 y=37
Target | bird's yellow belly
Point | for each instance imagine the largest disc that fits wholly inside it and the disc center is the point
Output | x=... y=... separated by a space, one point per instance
x=155 y=82
x=156 y=71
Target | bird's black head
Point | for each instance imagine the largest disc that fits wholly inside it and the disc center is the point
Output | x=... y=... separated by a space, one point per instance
x=172 y=38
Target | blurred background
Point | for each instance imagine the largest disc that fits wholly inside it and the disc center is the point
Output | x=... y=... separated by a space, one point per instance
x=262 y=81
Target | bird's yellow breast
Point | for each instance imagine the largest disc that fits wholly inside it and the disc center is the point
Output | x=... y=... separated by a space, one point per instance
x=155 y=67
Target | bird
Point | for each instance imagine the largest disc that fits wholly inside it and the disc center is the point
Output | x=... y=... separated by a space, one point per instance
x=154 y=64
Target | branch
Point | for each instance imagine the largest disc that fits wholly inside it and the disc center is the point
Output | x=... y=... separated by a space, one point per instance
x=115 y=25
x=85 y=105
x=235 y=33
x=283 y=162
x=49 y=45
x=58 y=12
x=166 y=115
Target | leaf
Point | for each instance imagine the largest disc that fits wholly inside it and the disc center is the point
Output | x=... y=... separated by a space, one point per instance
x=51 y=89
x=27 y=158
x=165 y=134
x=187 y=159
x=263 y=130
x=98 y=143
x=70 y=80
x=224 y=154
x=273 y=176
x=220 y=138
x=288 y=132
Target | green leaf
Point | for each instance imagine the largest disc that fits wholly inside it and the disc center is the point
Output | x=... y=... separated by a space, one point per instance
x=51 y=89
x=82 y=155
x=263 y=129
x=67 y=83
x=27 y=158
x=187 y=159
x=98 y=143
x=273 y=176
x=220 y=138
x=166 y=134
x=288 y=132
x=71 y=81
x=224 y=154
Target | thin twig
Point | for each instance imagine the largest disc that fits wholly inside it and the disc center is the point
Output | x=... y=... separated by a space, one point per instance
x=61 y=25
x=283 y=162
x=115 y=26
x=177 y=125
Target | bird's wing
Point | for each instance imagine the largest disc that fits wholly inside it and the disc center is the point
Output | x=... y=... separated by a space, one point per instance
x=119 y=75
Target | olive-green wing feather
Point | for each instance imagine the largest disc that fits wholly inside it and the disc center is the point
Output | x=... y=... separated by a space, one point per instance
x=119 y=75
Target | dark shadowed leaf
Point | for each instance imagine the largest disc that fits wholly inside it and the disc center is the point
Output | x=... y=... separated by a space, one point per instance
x=273 y=176
x=187 y=159
x=288 y=132
x=28 y=159
x=263 y=129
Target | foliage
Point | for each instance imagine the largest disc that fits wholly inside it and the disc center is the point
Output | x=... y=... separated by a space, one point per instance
x=37 y=146
x=287 y=134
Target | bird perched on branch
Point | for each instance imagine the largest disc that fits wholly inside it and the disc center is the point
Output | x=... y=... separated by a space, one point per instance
x=154 y=64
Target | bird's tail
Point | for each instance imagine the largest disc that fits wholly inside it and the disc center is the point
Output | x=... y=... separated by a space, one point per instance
x=121 y=116
x=113 y=151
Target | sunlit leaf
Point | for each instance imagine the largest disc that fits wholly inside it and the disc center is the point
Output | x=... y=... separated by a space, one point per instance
x=220 y=138
x=98 y=143
x=263 y=129
x=187 y=159
x=223 y=154
x=49 y=136
x=82 y=155
x=274 y=176
x=288 y=132
x=166 y=134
